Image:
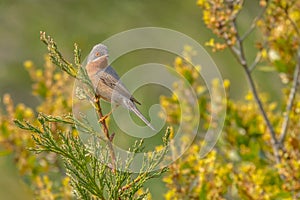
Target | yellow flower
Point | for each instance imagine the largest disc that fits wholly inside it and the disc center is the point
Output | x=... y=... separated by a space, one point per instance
x=259 y=23
x=159 y=148
x=198 y=68
x=28 y=113
x=210 y=43
x=170 y=194
x=295 y=15
x=38 y=182
x=57 y=76
x=28 y=64
x=39 y=73
x=261 y=127
x=178 y=61
x=200 y=89
x=201 y=2
x=264 y=54
x=263 y=3
x=207 y=17
x=215 y=83
x=164 y=103
x=272 y=106
x=174 y=96
x=21 y=107
x=171 y=132
x=249 y=96
x=226 y=83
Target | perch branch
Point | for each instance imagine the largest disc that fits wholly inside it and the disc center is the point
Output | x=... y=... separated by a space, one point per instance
x=106 y=133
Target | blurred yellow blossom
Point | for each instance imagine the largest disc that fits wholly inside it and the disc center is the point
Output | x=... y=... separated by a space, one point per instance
x=28 y=64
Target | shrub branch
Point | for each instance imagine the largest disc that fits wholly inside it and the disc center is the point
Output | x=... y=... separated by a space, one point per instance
x=291 y=100
x=239 y=54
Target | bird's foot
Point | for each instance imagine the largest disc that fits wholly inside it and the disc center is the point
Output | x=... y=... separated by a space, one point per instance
x=101 y=120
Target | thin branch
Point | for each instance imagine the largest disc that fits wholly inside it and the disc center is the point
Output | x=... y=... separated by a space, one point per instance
x=106 y=133
x=235 y=50
x=242 y=60
x=274 y=141
x=290 y=103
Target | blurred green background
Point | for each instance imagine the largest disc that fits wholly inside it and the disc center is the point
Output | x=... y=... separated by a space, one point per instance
x=88 y=23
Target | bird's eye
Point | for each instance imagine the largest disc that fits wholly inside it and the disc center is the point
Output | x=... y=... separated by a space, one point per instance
x=97 y=54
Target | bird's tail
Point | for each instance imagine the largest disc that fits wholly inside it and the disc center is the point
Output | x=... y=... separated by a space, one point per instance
x=133 y=108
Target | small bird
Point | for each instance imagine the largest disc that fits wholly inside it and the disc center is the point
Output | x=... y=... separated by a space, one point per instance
x=107 y=83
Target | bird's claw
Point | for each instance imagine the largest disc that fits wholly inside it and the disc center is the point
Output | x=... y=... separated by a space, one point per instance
x=96 y=99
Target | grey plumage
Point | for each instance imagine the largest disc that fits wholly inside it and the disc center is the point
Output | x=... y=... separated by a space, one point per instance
x=107 y=83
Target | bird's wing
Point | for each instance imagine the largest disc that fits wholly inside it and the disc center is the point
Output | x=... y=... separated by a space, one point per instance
x=110 y=78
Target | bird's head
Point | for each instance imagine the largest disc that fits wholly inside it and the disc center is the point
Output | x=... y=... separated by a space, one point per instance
x=97 y=52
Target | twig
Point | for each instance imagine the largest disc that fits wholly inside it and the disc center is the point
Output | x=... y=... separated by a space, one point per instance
x=290 y=103
x=125 y=187
x=106 y=133
x=255 y=62
x=253 y=24
x=257 y=58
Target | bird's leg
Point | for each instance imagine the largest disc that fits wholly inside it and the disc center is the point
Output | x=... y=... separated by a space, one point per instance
x=107 y=115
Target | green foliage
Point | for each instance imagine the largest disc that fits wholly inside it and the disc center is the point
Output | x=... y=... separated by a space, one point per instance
x=90 y=176
x=90 y=169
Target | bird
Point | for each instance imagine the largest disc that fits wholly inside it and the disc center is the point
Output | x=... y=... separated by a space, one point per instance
x=107 y=84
